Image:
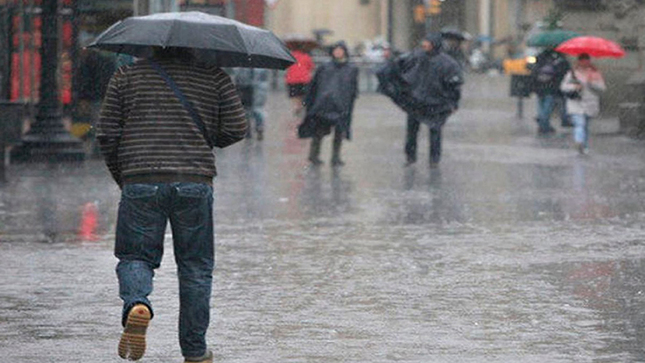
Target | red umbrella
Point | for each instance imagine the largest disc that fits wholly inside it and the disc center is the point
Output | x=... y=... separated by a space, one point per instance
x=594 y=46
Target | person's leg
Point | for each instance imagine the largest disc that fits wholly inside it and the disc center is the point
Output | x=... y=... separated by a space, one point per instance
x=314 y=151
x=296 y=105
x=249 y=124
x=259 y=115
x=140 y=230
x=545 y=109
x=565 y=118
x=586 y=138
x=191 y=220
x=411 y=139
x=435 y=145
x=579 y=126
x=338 y=141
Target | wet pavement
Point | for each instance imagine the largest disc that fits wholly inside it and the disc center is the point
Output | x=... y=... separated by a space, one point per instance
x=514 y=249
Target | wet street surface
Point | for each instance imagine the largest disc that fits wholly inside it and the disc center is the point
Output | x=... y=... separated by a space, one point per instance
x=514 y=249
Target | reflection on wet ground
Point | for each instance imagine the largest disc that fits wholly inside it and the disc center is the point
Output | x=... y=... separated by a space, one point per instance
x=515 y=249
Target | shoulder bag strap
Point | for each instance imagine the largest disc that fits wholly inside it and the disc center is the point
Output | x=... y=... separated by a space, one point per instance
x=184 y=101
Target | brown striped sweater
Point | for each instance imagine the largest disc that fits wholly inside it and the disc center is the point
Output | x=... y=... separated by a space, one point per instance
x=147 y=136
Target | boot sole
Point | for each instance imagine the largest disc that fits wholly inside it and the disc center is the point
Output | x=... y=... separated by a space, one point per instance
x=132 y=345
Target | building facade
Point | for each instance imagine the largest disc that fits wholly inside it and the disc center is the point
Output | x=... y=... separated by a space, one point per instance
x=353 y=21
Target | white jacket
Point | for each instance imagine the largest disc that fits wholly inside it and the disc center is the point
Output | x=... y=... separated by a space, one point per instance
x=592 y=85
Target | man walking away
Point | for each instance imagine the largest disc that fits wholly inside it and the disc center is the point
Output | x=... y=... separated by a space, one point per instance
x=158 y=148
x=434 y=80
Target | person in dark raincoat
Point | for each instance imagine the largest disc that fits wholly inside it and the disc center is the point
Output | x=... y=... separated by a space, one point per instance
x=329 y=103
x=453 y=48
x=546 y=76
x=426 y=84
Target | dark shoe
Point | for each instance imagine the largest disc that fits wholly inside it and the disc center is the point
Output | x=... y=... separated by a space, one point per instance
x=315 y=161
x=337 y=162
x=410 y=161
x=582 y=149
x=546 y=132
x=206 y=358
x=133 y=340
x=567 y=123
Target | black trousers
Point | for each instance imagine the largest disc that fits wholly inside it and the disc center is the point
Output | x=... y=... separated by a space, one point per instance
x=435 y=124
x=316 y=141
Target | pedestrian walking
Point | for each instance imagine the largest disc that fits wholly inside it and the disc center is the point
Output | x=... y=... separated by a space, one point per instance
x=434 y=82
x=330 y=103
x=159 y=122
x=582 y=87
x=298 y=77
x=546 y=76
x=253 y=86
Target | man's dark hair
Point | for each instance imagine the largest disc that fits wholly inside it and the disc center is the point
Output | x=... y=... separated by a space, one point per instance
x=183 y=54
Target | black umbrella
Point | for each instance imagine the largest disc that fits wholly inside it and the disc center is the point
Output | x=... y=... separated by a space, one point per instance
x=453 y=33
x=212 y=39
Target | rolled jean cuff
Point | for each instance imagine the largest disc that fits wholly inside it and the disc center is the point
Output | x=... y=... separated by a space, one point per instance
x=128 y=307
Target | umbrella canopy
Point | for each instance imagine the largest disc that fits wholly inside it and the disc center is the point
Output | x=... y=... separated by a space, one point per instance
x=453 y=33
x=212 y=39
x=551 y=38
x=594 y=46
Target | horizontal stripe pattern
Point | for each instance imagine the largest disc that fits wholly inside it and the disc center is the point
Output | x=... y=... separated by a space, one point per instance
x=144 y=129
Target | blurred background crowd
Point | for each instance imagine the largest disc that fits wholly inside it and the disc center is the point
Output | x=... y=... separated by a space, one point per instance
x=486 y=36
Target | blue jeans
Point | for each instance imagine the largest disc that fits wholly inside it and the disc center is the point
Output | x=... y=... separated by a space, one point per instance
x=546 y=106
x=143 y=214
x=581 y=128
x=258 y=114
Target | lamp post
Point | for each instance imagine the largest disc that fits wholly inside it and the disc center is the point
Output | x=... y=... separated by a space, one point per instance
x=48 y=140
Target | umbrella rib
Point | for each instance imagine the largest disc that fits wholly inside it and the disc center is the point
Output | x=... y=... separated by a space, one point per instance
x=170 y=30
x=246 y=46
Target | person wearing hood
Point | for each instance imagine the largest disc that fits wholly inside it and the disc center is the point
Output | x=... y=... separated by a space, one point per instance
x=433 y=82
x=329 y=104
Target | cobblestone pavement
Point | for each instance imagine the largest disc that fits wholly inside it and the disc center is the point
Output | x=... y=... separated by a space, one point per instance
x=514 y=249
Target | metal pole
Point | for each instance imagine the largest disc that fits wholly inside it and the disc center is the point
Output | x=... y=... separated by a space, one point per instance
x=390 y=22
x=32 y=49
x=48 y=140
x=3 y=159
x=21 y=51
x=5 y=52
x=3 y=164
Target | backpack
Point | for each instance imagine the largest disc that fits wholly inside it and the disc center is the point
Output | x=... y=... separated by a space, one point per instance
x=545 y=73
